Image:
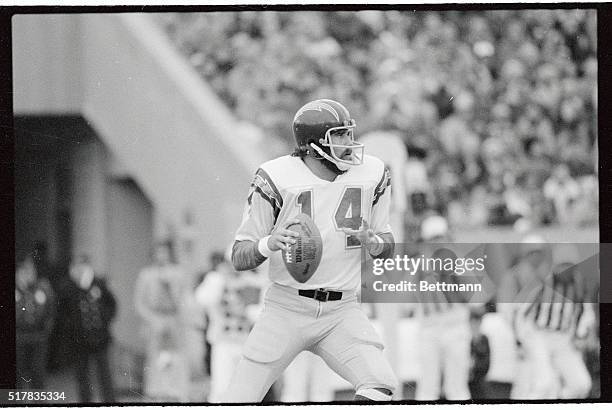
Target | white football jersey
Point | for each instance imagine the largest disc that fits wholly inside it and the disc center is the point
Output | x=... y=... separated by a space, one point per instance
x=232 y=302
x=285 y=187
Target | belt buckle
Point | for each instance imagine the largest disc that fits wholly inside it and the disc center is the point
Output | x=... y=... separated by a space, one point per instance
x=321 y=295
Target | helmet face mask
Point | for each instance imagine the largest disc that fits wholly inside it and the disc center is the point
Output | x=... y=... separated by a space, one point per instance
x=316 y=127
x=355 y=148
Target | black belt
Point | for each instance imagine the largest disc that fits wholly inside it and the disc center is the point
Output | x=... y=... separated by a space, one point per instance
x=320 y=295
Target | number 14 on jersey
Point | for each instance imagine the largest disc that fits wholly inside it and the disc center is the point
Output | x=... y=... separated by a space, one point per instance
x=347 y=214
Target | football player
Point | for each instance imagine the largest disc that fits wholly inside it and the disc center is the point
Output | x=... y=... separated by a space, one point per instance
x=347 y=194
x=444 y=343
x=232 y=302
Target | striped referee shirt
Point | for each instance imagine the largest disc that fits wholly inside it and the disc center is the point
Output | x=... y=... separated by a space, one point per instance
x=557 y=304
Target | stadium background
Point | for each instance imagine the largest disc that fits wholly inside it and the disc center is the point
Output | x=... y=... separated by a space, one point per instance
x=132 y=127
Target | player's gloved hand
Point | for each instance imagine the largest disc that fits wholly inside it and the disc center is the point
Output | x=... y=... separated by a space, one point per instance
x=367 y=237
x=281 y=237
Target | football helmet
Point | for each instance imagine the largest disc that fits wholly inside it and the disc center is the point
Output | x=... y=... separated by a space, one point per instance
x=313 y=126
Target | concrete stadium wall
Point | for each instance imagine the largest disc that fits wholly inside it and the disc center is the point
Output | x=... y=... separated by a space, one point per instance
x=153 y=121
x=157 y=118
x=47 y=64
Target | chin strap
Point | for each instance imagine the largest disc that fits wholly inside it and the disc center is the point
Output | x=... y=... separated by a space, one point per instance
x=342 y=167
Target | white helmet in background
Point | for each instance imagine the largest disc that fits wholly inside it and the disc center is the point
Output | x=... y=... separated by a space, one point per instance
x=434 y=227
x=536 y=252
x=532 y=243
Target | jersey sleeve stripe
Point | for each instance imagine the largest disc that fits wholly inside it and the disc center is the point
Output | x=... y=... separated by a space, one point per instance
x=384 y=182
x=262 y=184
x=264 y=175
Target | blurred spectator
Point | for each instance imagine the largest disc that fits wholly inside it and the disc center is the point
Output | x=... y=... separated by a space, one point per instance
x=56 y=351
x=160 y=298
x=418 y=190
x=35 y=314
x=563 y=191
x=91 y=308
x=587 y=204
x=481 y=357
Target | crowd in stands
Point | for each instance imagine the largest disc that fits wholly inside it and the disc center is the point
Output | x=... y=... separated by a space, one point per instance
x=498 y=104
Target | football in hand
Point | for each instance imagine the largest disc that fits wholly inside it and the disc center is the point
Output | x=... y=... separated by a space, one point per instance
x=302 y=258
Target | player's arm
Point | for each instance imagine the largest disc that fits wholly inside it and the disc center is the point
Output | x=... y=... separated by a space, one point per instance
x=258 y=238
x=247 y=254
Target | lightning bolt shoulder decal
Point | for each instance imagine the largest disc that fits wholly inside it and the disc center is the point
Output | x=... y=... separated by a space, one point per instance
x=262 y=184
x=385 y=182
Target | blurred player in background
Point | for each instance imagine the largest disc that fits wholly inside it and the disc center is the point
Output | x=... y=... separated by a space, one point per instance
x=503 y=354
x=160 y=297
x=480 y=351
x=232 y=302
x=550 y=316
x=534 y=261
x=347 y=195
x=445 y=330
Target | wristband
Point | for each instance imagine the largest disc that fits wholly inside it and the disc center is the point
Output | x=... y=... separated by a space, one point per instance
x=262 y=247
x=378 y=248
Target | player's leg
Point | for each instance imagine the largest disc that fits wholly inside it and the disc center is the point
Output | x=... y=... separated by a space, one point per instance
x=271 y=346
x=105 y=377
x=456 y=362
x=428 y=383
x=252 y=379
x=542 y=375
x=353 y=349
x=567 y=360
x=522 y=379
x=151 y=374
x=224 y=359
x=297 y=379
x=82 y=374
x=365 y=367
